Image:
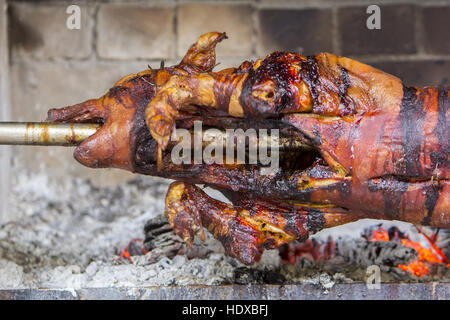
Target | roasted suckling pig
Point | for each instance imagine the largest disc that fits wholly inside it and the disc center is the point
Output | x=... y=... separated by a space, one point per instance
x=368 y=146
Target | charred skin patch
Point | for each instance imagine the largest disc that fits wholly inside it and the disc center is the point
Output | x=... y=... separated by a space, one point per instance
x=430 y=202
x=309 y=71
x=222 y=92
x=392 y=191
x=278 y=79
x=343 y=88
x=411 y=118
x=316 y=220
x=143 y=146
x=288 y=83
x=439 y=157
x=392 y=187
x=226 y=84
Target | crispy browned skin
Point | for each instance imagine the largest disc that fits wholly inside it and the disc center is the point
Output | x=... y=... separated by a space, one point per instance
x=380 y=148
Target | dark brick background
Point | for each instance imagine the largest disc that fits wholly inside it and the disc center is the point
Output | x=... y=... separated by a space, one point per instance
x=436 y=22
x=397 y=33
x=305 y=31
x=413 y=42
x=418 y=73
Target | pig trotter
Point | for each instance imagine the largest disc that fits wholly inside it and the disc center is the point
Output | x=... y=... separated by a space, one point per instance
x=246 y=228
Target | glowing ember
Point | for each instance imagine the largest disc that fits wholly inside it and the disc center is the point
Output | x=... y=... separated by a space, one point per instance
x=379 y=235
x=134 y=248
x=419 y=267
x=416 y=268
x=310 y=249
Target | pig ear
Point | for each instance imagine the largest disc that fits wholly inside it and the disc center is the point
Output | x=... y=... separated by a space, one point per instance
x=88 y=111
x=202 y=54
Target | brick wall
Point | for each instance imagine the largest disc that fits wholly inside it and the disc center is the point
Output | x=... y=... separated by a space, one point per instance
x=51 y=66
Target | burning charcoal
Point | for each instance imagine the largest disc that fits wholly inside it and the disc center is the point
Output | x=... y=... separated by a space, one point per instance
x=273 y=277
x=311 y=249
x=428 y=253
x=160 y=240
x=395 y=234
x=246 y=275
x=134 y=248
x=383 y=253
x=154 y=228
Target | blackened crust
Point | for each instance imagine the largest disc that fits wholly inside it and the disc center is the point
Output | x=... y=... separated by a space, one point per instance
x=316 y=220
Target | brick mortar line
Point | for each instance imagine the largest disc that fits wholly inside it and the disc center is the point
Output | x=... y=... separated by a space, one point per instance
x=344 y=4
x=255 y=23
x=371 y=58
x=419 y=31
x=282 y=2
x=94 y=2
x=162 y=4
x=15 y=58
x=399 y=58
x=153 y=60
x=314 y=3
x=175 y=32
x=94 y=35
x=237 y=2
x=335 y=32
x=257 y=4
x=91 y=62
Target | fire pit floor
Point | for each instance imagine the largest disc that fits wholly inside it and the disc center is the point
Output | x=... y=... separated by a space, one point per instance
x=429 y=291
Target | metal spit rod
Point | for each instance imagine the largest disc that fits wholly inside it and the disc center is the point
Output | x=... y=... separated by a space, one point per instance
x=45 y=134
x=72 y=134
